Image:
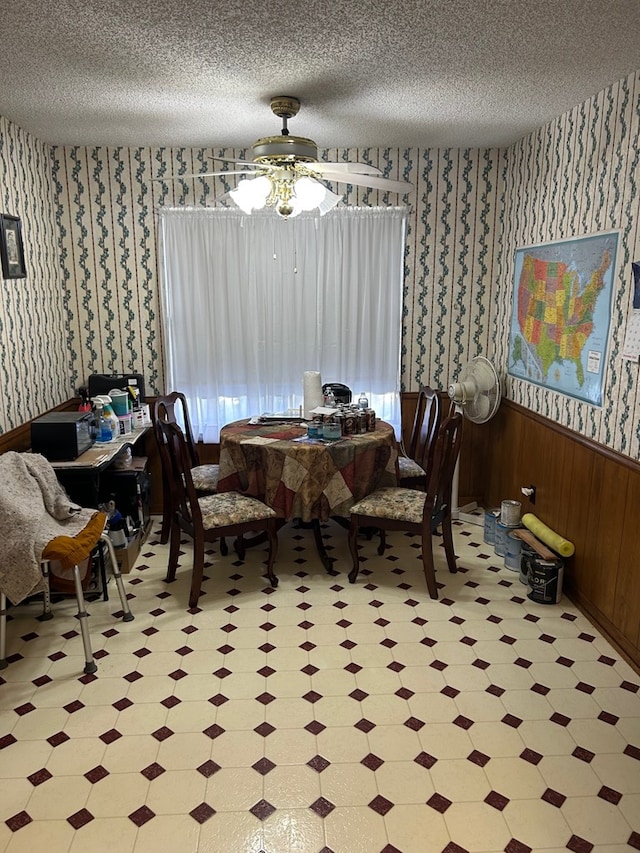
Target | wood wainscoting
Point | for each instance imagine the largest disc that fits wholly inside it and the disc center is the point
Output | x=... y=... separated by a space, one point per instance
x=584 y=491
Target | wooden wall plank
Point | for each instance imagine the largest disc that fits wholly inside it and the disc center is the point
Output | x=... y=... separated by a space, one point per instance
x=626 y=611
x=587 y=492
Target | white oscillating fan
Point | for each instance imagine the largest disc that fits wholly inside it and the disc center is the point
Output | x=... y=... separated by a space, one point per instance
x=477 y=395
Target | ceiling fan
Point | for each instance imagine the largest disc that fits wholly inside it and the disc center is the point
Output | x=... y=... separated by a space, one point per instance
x=285 y=172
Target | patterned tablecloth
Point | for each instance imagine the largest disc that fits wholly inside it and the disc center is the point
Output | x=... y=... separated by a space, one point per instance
x=301 y=479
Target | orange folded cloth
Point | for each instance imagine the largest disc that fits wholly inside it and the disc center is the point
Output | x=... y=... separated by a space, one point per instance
x=71 y=550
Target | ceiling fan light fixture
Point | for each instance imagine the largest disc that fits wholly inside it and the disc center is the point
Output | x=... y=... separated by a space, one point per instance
x=284 y=149
x=252 y=193
x=286 y=193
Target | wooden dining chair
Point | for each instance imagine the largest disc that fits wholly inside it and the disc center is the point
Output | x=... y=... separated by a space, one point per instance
x=413 y=466
x=415 y=511
x=207 y=518
x=173 y=408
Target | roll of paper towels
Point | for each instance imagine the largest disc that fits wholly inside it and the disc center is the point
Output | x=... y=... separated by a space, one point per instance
x=545 y=534
x=312 y=389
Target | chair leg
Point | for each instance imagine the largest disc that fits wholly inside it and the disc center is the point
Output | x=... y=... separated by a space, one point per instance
x=447 y=536
x=166 y=512
x=238 y=545
x=3 y=630
x=117 y=574
x=90 y=665
x=174 y=549
x=224 y=548
x=383 y=541
x=273 y=550
x=46 y=593
x=428 y=566
x=198 y=570
x=353 y=547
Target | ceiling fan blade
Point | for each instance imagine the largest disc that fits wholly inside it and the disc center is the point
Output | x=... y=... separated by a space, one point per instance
x=356 y=168
x=237 y=162
x=168 y=178
x=372 y=181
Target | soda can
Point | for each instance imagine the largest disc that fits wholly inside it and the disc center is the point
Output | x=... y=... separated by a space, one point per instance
x=362 y=421
x=371 y=420
x=350 y=423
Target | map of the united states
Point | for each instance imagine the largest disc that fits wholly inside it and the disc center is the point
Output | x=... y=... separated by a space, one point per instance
x=556 y=314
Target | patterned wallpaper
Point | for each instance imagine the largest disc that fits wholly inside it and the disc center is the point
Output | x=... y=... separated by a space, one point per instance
x=578 y=175
x=108 y=200
x=90 y=227
x=34 y=359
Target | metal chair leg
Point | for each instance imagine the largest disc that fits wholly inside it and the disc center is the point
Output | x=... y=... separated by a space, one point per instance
x=117 y=574
x=3 y=630
x=90 y=665
x=46 y=593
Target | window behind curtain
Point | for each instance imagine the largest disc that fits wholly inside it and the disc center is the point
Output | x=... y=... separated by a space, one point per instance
x=251 y=302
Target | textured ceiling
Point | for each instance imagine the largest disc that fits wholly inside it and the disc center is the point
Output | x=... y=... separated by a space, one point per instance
x=414 y=73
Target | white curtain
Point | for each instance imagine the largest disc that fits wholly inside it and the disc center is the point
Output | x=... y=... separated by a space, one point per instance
x=251 y=302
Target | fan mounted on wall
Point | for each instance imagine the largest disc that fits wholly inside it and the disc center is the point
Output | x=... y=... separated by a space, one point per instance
x=477 y=395
x=285 y=172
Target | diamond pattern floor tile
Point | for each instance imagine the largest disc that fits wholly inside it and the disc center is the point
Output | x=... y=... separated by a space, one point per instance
x=321 y=716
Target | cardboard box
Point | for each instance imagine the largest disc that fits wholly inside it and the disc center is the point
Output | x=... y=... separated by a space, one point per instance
x=126 y=557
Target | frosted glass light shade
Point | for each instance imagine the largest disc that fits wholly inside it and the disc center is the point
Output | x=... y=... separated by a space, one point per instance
x=252 y=193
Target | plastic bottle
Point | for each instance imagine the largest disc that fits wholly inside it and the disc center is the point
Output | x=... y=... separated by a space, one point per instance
x=104 y=427
x=110 y=416
x=85 y=405
x=363 y=401
x=330 y=399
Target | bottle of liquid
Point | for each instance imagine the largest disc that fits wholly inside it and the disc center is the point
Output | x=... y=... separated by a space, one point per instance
x=109 y=415
x=330 y=399
x=363 y=401
x=85 y=405
x=104 y=427
x=112 y=420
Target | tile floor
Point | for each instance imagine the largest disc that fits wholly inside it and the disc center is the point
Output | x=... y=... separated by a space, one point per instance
x=320 y=716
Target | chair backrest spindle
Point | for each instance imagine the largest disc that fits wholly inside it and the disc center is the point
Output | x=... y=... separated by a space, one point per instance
x=173 y=408
x=175 y=458
x=445 y=455
x=426 y=427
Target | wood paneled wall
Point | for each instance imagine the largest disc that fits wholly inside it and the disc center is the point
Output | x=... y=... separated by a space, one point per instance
x=584 y=491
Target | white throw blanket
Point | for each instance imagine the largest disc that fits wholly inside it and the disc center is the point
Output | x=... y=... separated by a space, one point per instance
x=34 y=509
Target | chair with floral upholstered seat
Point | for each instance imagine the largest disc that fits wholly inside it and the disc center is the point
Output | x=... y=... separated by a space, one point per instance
x=208 y=517
x=415 y=511
x=413 y=466
x=173 y=408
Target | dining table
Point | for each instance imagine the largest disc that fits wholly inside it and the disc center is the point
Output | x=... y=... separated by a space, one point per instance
x=309 y=480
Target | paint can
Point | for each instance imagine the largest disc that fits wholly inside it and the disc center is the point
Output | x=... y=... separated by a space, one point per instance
x=545 y=579
x=502 y=531
x=513 y=551
x=490 y=518
x=527 y=553
x=510 y=513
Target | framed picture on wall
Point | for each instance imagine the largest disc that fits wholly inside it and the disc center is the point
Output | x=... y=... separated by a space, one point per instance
x=11 y=248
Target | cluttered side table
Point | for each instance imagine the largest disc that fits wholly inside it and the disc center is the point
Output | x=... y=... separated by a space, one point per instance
x=96 y=474
x=302 y=478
